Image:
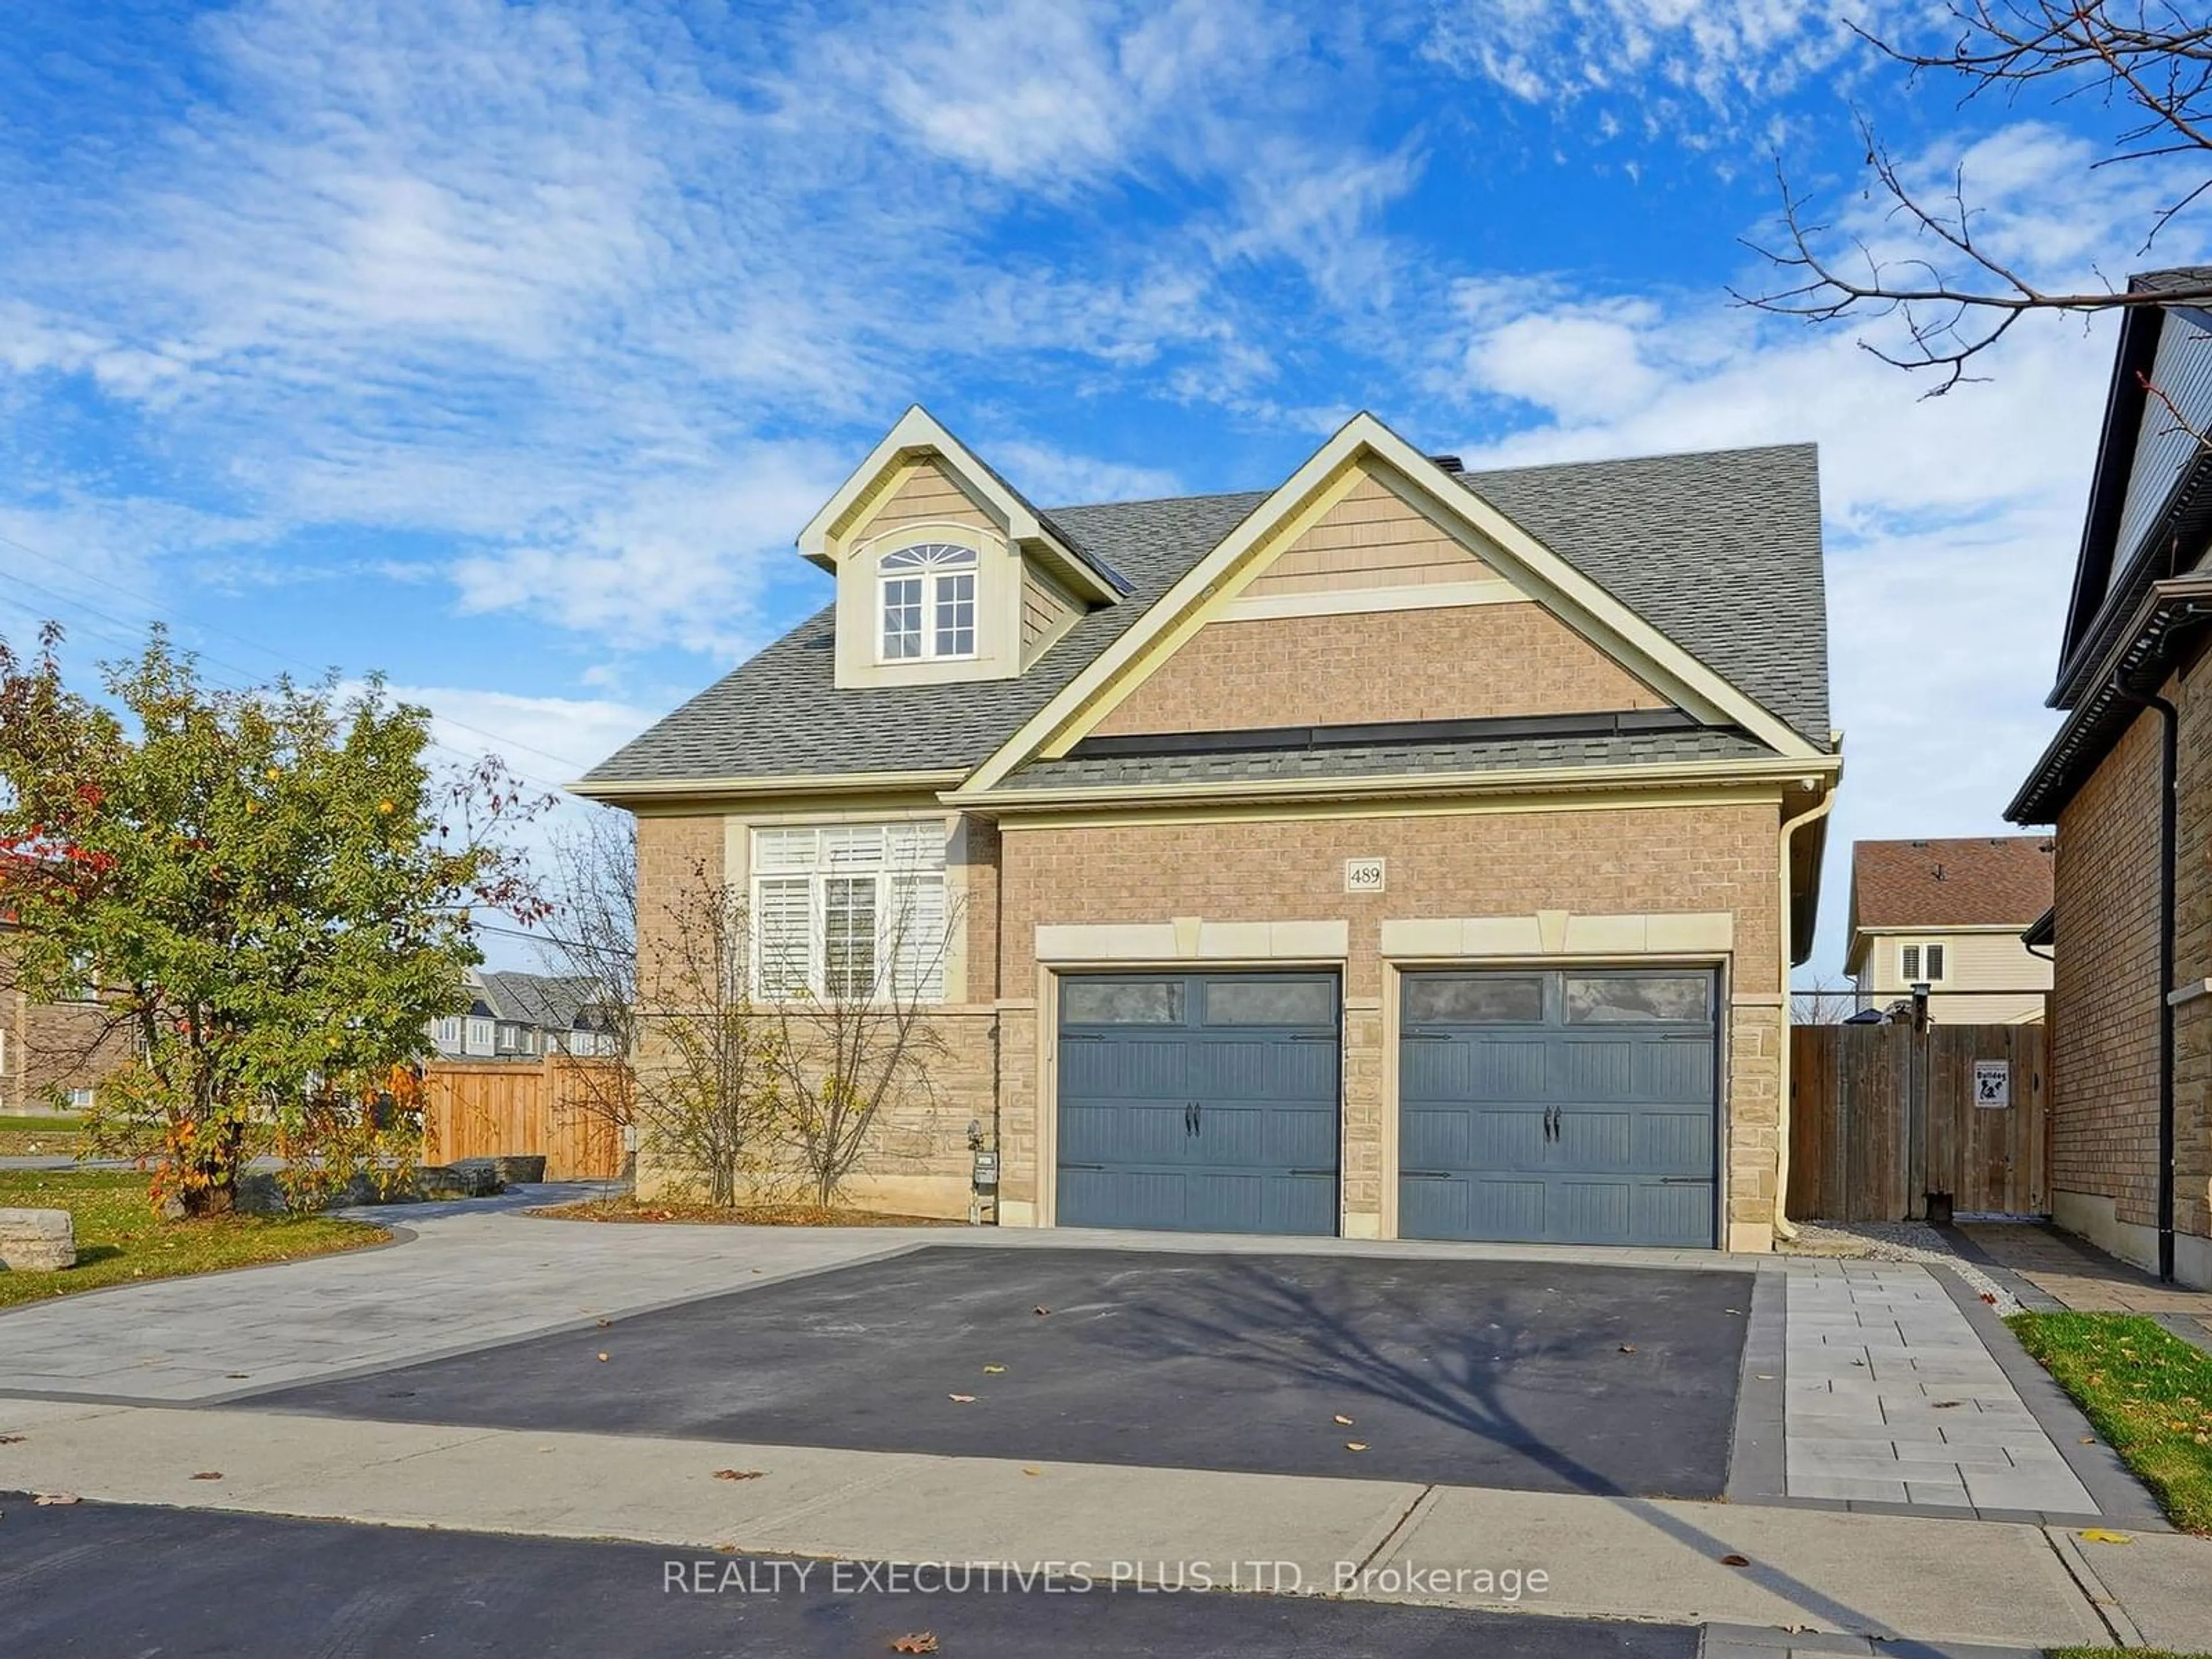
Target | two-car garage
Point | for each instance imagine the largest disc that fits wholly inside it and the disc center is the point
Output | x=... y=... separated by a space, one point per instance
x=1572 y=1105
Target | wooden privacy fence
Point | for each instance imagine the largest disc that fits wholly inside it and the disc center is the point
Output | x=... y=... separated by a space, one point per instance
x=557 y=1106
x=1881 y=1115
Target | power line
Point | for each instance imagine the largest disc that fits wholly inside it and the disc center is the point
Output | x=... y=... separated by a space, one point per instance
x=214 y=628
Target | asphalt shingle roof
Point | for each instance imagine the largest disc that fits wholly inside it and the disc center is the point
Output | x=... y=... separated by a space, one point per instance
x=1721 y=551
x=1983 y=881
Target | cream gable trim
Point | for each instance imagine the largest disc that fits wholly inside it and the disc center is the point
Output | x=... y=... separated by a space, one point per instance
x=1356 y=601
x=1327 y=476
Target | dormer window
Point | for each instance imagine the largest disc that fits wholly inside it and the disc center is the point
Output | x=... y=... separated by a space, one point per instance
x=928 y=602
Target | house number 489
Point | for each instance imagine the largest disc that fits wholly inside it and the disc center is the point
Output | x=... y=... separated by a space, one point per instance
x=1362 y=875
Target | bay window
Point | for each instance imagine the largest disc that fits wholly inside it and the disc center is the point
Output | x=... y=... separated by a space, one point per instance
x=849 y=911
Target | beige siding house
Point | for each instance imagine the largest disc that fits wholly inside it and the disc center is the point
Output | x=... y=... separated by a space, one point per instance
x=1398 y=851
x=1949 y=914
x=2131 y=921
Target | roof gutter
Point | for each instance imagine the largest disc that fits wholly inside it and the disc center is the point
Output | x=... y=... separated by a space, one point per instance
x=617 y=792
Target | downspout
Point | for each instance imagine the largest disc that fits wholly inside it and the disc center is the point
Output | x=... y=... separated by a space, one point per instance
x=2169 y=786
x=1783 y=1229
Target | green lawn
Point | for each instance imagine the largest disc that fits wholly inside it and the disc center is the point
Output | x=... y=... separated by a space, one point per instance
x=119 y=1241
x=2148 y=1392
x=24 y=1137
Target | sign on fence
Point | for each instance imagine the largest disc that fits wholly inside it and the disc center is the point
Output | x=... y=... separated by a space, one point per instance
x=1993 y=1083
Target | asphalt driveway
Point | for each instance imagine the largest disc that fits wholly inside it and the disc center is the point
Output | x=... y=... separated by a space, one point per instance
x=1536 y=1375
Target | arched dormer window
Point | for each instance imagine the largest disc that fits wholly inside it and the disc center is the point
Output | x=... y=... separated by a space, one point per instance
x=928 y=602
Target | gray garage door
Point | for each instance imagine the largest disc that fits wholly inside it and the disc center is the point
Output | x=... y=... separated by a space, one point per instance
x=1570 y=1107
x=1205 y=1102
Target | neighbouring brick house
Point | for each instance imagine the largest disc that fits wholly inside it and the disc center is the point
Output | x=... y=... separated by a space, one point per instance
x=1949 y=914
x=52 y=1053
x=1400 y=851
x=2131 y=917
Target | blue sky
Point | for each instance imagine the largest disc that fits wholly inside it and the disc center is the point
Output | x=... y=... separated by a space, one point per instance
x=505 y=348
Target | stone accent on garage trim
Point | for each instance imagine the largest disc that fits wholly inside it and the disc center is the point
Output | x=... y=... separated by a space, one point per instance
x=1561 y=933
x=1193 y=939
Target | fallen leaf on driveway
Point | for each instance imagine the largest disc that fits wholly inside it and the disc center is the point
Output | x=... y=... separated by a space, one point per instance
x=962 y=1399
x=1988 y=1298
x=57 y=1497
x=726 y=1549
x=1030 y=1471
x=1764 y=1376
x=993 y=1371
x=919 y=1641
x=2089 y=1439
x=603 y=1323
x=1041 y=1309
x=11 y=1439
x=208 y=1475
x=602 y=1356
x=1735 y=1560
x=738 y=1474
x=1628 y=1347
x=1946 y=1405
x=1342 y=1419
x=1355 y=1445
x=2092 y=1535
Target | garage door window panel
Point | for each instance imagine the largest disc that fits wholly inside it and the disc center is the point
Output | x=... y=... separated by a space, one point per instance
x=1118 y=1002
x=1475 y=999
x=1643 y=998
x=1310 y=1002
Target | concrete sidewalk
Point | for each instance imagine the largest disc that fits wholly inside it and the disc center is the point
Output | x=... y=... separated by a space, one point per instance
x=1809 y=1572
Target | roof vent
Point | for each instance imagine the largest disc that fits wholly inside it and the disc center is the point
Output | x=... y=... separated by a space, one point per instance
x=1449 y=463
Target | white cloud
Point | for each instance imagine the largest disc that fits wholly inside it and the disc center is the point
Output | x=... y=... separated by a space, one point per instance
x=1690 y=67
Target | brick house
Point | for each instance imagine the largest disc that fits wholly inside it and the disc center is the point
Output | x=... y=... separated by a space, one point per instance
x=2131 y=917
x=1949 y=914
x=1398 y=852
x=52 y=1053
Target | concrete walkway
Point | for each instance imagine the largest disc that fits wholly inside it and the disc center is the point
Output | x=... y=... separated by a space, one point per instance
x=1809 y=1572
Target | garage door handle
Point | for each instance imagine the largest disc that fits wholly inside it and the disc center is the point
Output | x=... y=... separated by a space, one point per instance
x=1189 y=1118
x=1425 y=1175
x=1326 y=1169
x=1426 y=1036
x=1686 y=1180
x=1065 y=1164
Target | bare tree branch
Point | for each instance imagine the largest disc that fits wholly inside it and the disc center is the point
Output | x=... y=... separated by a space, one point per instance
x=2143 y=55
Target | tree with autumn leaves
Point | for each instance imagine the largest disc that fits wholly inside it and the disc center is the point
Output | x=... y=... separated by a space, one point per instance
x=268 y=889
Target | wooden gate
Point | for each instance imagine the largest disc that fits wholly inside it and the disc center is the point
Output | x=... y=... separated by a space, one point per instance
x=1852 y=1154
x=568 y=1110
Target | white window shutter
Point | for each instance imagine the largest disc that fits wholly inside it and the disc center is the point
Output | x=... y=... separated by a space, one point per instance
x=783 y=925
x=916 y=927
